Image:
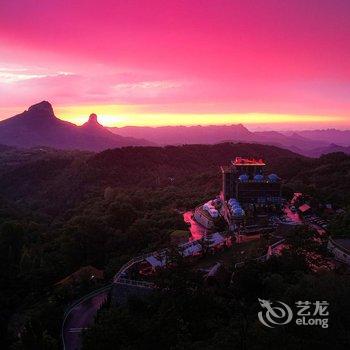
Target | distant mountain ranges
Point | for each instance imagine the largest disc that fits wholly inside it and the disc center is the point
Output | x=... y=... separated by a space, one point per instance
x=311 y=143
x=39 y=127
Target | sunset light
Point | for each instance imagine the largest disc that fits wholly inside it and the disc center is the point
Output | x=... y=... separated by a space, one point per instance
x=175 y=174
x=114 y=115
x=189 y=62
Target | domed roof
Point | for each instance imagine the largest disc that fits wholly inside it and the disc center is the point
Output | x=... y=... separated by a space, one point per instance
x=258 y=178
x=243 y=178
x=273 y=178
x=238 y=212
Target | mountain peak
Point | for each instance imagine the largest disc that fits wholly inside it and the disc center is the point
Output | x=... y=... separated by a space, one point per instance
x=92 y=123
x=43 y=107
x=39 y=127
x=93 y=120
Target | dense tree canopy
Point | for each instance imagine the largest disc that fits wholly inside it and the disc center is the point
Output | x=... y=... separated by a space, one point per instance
x=61 y=210
x=226 y=318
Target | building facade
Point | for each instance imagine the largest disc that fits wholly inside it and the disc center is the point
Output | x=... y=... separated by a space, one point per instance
x=244 y=180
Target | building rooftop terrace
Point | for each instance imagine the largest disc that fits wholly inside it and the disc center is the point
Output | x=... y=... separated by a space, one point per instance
x=248 y=161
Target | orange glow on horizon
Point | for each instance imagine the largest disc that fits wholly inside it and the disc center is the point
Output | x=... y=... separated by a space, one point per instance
x=179 y=62
x=119 y=116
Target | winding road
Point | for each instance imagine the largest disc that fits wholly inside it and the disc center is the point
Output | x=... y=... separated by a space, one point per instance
x=196 y=229
x=79 y=318
x=81 y=315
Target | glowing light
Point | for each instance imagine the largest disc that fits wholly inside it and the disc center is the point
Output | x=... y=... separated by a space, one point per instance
x=125 y=115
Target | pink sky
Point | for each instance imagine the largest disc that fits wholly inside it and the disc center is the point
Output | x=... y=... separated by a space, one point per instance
x=169 y=62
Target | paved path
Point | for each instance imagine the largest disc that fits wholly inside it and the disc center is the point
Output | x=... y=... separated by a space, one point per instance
x=81 y=317
x=197 y=230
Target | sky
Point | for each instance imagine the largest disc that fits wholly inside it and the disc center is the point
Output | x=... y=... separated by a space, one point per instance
x=272 y=64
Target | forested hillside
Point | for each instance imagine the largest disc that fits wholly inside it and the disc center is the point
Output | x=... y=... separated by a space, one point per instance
x=57 y=180
x=61 y=210
x=327 y=178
